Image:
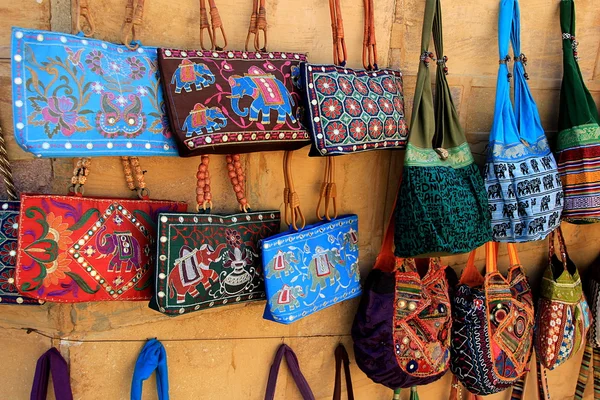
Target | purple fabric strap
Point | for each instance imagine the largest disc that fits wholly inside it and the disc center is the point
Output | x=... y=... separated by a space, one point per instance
x=294 y=367
x=51 y=361
x=341 y=355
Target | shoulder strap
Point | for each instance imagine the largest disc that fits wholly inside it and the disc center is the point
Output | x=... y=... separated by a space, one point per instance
x=51 y=361
x=293 y=215
x=153 y=357
x=134 y=176
x=134 y=14
x=212 y=27
x=82 y=12
x=337 y=29
x=294 y=367
x=328 y=192
x=434 y=126
x=471 y=275
x=561 y=244
x=369 y=55
x=6 y=170
x=341 y=356
x=258 y=23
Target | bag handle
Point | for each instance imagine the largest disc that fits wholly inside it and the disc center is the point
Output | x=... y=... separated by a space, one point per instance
x=340 y=54
x=294 y=367
x=153 y=357
x=491 y=254
x=258 y=23
x=83 y=19
x=291 y=202
x=471 y=275
x=328 y=192
x=134 y=14
x=561 y=244
x=216 y=23
x=6 y=170
x=567 y=25
x=369 y=56
x=341 y=356
x=236 y=176
x=51 y=362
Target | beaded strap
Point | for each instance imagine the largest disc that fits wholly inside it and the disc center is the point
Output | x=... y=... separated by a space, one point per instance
x=203 y=193
x=6 y=170
x=134 y=176
x=132 y=23
x=562 y=247
x=236 y=176
x=574 y=44
x=82 y=12
x=80 y=175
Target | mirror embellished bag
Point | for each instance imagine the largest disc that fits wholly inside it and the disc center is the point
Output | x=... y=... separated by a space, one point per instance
x=222 y=101
x=74 y=96
x=309 y=268
x=522 y=183
x=208 y=260
x=74 y=249
x=353 y=110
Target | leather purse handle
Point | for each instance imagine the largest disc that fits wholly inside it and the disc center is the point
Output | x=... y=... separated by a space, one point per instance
x=258 y=23
x=51 y=362
x=6 y=170
x=236 y=176
x=340 y=54
x=214 y=26
x=134 y=14
x=83 y=14
x=294 y=367
x=341 y=356
x=328 y=192
x=369 y=55
x=291 y=202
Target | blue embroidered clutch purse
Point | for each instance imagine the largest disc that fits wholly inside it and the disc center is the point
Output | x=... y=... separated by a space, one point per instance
x=79 y=97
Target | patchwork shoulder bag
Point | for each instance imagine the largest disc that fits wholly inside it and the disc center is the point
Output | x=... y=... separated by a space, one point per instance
x=401 y=330
x=578 y=144
x=309 y=268
x=51 y=362
x=74 y=96
x=153 y=357
x=492 y=328
x=442 y=207
x=222 y=101
x=9 y=228
x=351 y=110
x=523 y=187
x=74 y=249
x=294 y=367
x=208 y=260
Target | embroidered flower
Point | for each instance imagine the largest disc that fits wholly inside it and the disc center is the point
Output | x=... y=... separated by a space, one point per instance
x=352 y=107
x=61 y=112
x=56 y=271
x=10 y=227
x=386 y=106
x=361 y=87
x=326 y=85
x=90 y=251
x=346 y=86
x=138 y=69
x=375 y=87
x=94 y=62
x=142 y=91
x=233 y=237
x=331 y=108
x=97 y=87
x=389 y=85
x=57 y=231
x=399 y=105
x=370 y=106
x=122 y=101
x=358 y=129
x=390 y=127
x=336 y=132
x=7 y=280
x=8 y=253
x=375 y=128
x=402 y=128
x=478 y=303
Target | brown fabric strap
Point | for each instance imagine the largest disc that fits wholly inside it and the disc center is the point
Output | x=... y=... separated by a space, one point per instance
x=341 y=356
x=369 y=55
x=6 y=170
x=293 y=215
x=134 y=14
x=328 y=192
x=258 y=23
x=203 y=193
x=337 y=29
x=134 y=176
x=561 y=244
x=84 y=21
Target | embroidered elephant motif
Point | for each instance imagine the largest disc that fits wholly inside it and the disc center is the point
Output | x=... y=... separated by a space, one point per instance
x=123 y=247
x=499 y=170
x=553 y=219
x=287 y=296
x=519 y=227
x=558 y=199
x=189 y=73
x=268 y=93
x=499 y=230
x=534 y=165
x=192 y=268
x=494 y=191
x=511 y=168
x=351 y=239
x=209 y=119
x=120 y=116
x=522 y=208
x=322 y=268
x=547 y=162
x=537 y=225
x=548 y=182
x=545 y=206
x=281 y=264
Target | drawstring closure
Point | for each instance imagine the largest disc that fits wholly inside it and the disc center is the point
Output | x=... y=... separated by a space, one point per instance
x=506 y=60
x=574 y=44
x=523 y=60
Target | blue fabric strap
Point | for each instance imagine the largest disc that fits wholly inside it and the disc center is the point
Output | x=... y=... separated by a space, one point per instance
x=152 y=357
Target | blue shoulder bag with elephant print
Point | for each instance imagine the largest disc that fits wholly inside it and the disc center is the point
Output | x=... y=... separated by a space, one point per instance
x=222 y=101
x=521 y=178
x=309 y=268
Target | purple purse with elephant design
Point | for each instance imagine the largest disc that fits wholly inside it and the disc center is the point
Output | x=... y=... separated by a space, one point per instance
x=221 y=101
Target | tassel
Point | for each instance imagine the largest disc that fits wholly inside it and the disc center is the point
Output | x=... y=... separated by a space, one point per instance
x=396 y=394
x=413 y=393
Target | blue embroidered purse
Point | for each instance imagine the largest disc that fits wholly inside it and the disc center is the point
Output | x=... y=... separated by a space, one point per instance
x=521 y=178
x=309 y=268
x=351 y=110
x=74 y=96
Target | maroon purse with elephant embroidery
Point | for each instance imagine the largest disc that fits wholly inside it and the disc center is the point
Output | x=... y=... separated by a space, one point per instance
x=221 y=101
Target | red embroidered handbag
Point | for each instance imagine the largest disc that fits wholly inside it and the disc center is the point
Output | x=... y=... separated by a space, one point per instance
x=221 y=101
x=75 y=249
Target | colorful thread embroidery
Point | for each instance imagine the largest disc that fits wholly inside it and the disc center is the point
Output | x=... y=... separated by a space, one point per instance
x=78 y=96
